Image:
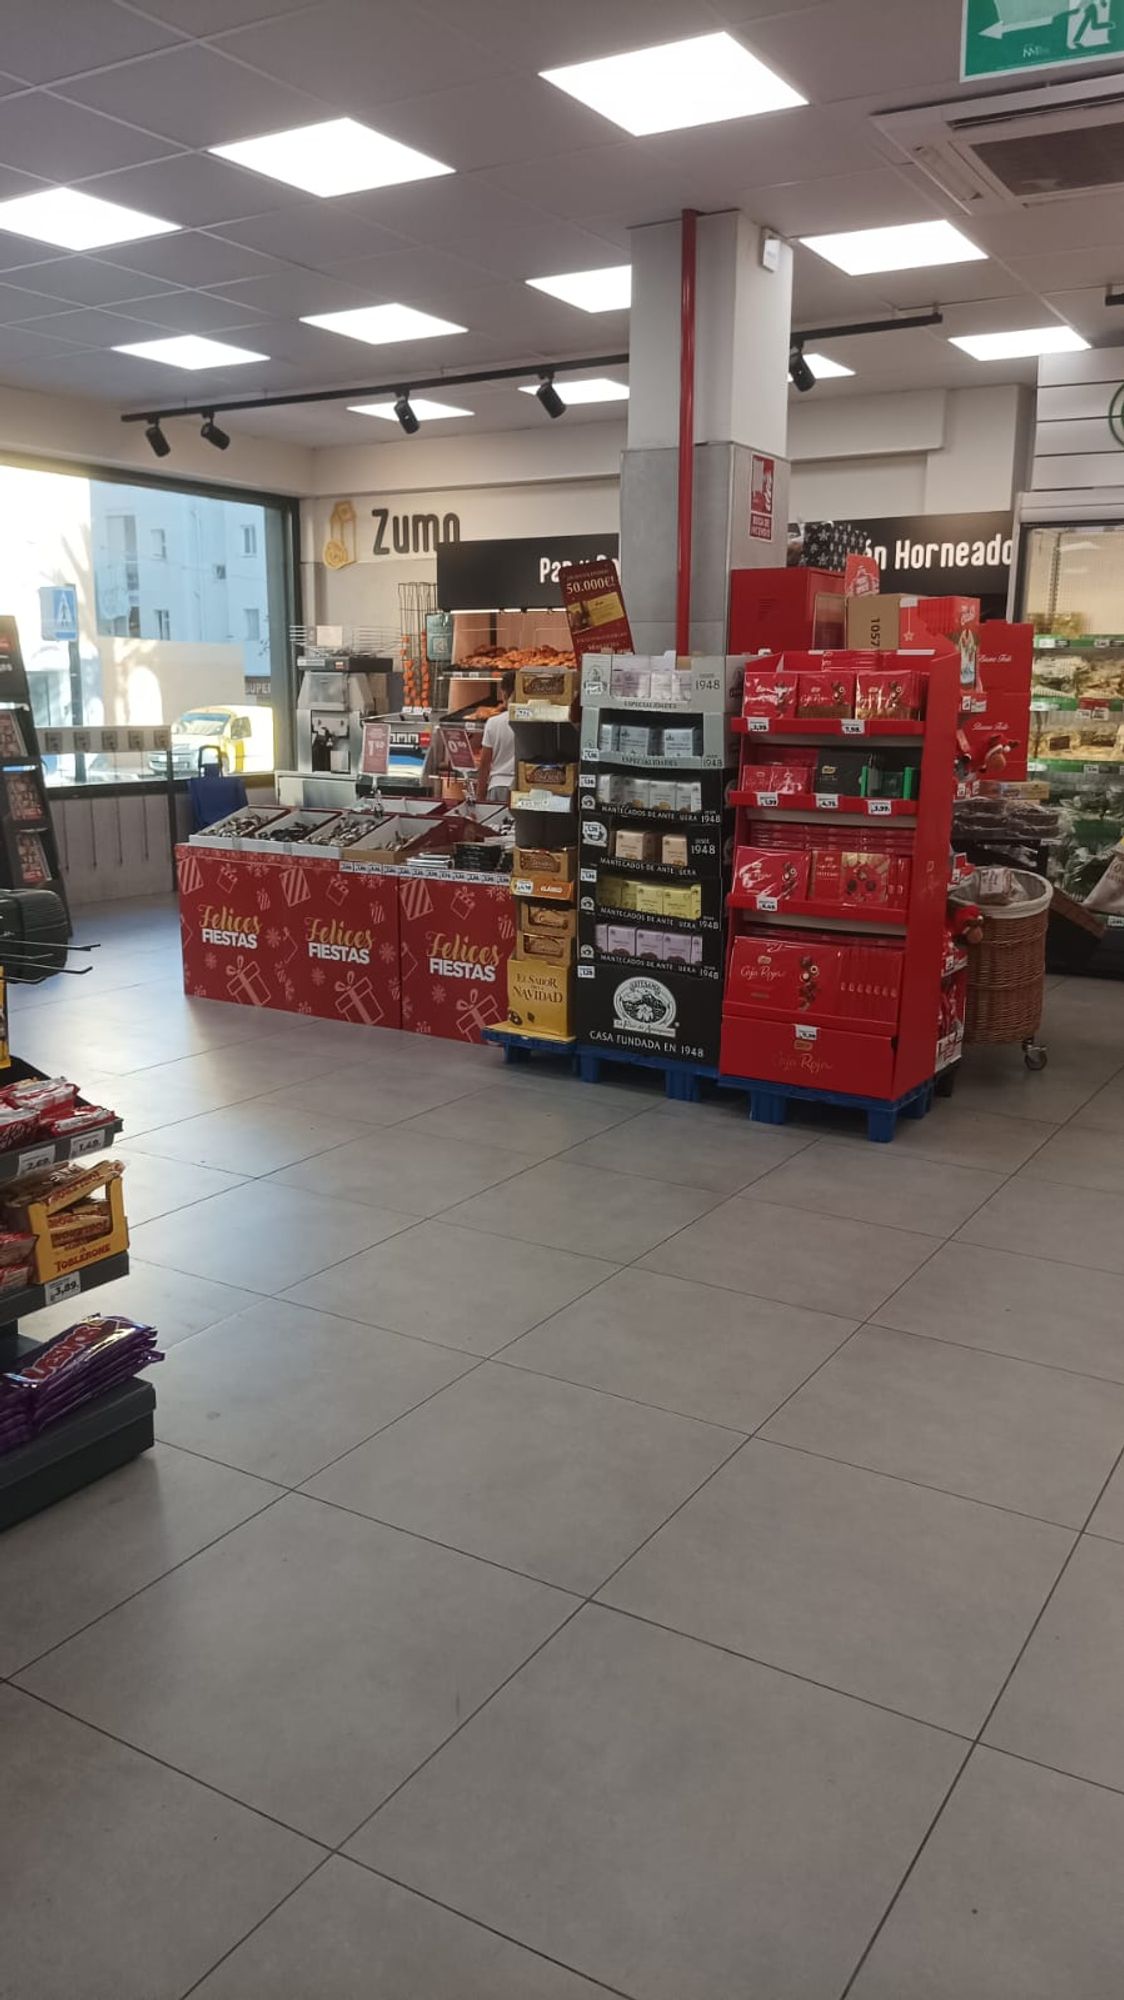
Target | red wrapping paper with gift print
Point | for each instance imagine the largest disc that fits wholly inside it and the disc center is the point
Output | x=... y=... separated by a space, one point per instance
x=455 y=944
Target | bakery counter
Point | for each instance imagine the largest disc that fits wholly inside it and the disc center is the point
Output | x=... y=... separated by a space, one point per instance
x=346 y=941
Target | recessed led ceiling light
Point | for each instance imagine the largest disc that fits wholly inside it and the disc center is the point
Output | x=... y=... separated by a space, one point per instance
x=379 y=324
x=905 y=246
x=339 y=156
x=824 y=369
x=607 y=290
x=191 y=350
x=595 y=389
x=696 y=82
x=1020 y=346
x=77 y=221
x=421 y=407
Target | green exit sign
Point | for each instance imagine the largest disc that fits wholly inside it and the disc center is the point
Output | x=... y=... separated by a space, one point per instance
x=1002 y=37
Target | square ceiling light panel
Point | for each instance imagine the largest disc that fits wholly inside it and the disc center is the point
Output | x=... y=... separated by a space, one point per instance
x=426 y=411
x=378 y=325
x=697 y=82
x=339 y=156
x=76 y=221
x=904 y=246
x=595 y=389
x=191 y=350
x=1020 y=346
x=607 y=290
x=824 y=369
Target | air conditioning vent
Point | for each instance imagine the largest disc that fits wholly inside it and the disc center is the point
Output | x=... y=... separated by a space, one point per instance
x=1020 y=148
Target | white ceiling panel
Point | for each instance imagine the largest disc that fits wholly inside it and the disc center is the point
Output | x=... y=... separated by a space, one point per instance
x=1087 y=311
x=358 y=57
x=319 y=234
x=442 y=212
x=46 y=39
x=59 y=141
x=839 y=201
x=193 y=189
x=89 y=326
x=290 y=293
x=495 y=121
x=194 y=258
x=945 y=285
x=548 y=247
x=536 y=36
x=201 y=312
x=415 y=275
x=196 y=97
x=213 y=17
x=17 y=305
x=1070 y=270
x=19 y=343
x=87 y=281
x=852 y=48
x=1086 y=224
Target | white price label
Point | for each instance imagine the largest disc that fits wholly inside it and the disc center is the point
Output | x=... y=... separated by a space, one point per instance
x=757 y=724
x=591 y=754
x=827 y=802
x=522 y=886
x=1096 y=714
x=879 y=808
x=1090 y=770
x=805 y=1033
x=589 y=875
x=851 y=725
x=89 y=1142
x=587 y=972
x=31 y=1162
x=766 y=798
x=708 y=763
x=62 y=1288
x=766 y=902
x=1116 y=923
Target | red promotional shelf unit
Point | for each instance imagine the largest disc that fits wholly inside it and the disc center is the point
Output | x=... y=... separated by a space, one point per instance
x=836 y=959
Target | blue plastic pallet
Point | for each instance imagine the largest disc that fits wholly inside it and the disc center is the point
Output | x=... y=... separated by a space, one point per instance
x=524 y=1048
x=768 y=1103
x=681 y=1079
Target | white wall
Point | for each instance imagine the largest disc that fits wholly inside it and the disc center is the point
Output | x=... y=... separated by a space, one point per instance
x=70 y=427
x=925 y=451
x=1075 y=451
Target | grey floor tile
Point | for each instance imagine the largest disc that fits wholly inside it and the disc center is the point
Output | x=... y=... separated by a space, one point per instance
x=663 y=1816
x=721 y=1356
x=997 y=1079
x=880 y=1185
x=723 y=1154
x=555 y=1480
x=1076 y=1225
x=123 y=1881
x=1108 y=1518
x=264 y=1237
x=175 y=1303
x=457 y=1286
x=1082 y=1156
x=1064 y=1704
x=272 y=1136
x=76 y=1560
x=1103 y=1112
x=349 y=1935
x=781 y=1253
x=159 y=1186
x=529 y=1119
x=306 y=1664
x=1032 y=1439
x=281 y=1390
x=617 y=1216
x=156 y=1098
x=376 y=1096
x=1019 y=1892
x=957 y=1131
x=1022 y=1305
x=906 y=1597
x=404 y=1169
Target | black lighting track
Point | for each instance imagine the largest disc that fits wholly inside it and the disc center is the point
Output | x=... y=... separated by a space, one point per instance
x=904 y=324
x=1113 y=297
x=404 y=379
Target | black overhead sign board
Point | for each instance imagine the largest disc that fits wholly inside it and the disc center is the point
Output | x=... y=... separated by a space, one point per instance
x=942 y=555
x=515 y=575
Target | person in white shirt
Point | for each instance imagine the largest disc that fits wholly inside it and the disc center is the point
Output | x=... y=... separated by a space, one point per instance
x=495 y=773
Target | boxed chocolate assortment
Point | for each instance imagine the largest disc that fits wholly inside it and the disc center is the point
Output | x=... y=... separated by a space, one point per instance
x=555 y=685
x=544 y=775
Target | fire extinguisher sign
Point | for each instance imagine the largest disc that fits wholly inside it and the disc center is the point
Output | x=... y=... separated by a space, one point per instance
x=762 y=475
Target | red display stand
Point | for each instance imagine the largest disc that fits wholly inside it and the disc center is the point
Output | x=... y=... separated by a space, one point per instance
x=382 y=948
x=455 y=938
x=807 y=1031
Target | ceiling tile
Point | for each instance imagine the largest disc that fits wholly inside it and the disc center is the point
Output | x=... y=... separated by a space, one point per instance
x=1069 y=270
x=318 y=234
x=541 y=37
x=88 y=326
x=441 y=212
x=539 y=252
x=358 y=57
x=193 y=189
x=839 y=201
x=1084 y=224
x=196 y=96
x=852 y=48
x=87 y=281
x=415 y=273
x=211 y=17
x=493 y=121
x=46 y=39
x=290 y=292
x=194 y=258
x=200 y=312
x=19 y=343
x=17 y=305
x=9 y=85
x=62 y=141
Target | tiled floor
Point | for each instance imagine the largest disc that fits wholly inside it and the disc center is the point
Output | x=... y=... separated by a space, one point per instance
x=594 y=1545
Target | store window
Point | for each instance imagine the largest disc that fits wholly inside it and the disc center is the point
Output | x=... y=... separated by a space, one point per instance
x=184 y=608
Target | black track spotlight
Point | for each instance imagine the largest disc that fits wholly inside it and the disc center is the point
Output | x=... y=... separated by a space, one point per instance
x=549 y=398
x=800 y=375
x=156 y=437
x=213 y=432
x=406 y=414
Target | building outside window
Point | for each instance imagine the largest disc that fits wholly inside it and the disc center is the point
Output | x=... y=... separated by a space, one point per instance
x=184 y=606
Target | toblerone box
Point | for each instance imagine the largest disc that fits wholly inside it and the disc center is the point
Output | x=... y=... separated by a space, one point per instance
x=539 y=997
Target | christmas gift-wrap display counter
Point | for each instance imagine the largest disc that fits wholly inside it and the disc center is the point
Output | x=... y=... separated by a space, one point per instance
x=378 y=946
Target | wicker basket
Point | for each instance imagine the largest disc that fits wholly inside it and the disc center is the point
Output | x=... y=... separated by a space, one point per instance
x=1006 y=971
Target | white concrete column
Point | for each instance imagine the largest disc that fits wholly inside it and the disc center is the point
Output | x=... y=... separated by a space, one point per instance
x=743 y=316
